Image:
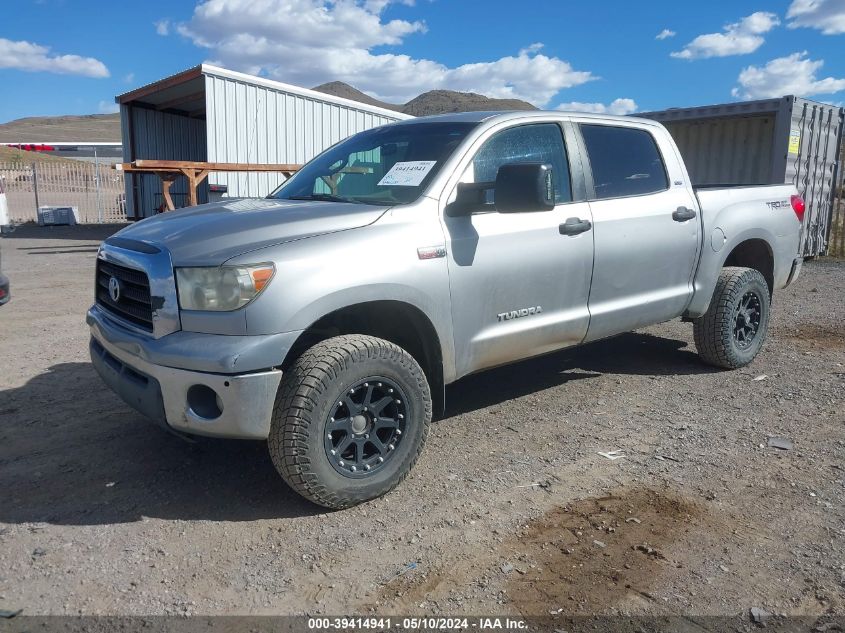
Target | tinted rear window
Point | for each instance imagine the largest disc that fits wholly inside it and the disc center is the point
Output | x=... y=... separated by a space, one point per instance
x=625 y=161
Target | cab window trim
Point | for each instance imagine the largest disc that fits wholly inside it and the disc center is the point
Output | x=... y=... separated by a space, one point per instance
x=588 y=166
x=577 y=189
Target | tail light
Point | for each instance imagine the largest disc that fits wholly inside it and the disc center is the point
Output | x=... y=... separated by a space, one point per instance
x=798 y=207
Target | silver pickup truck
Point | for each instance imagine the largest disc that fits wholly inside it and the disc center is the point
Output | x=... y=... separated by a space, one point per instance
x=328 y=317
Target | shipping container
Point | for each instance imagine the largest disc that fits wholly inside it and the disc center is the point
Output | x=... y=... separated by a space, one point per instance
x=772 y=141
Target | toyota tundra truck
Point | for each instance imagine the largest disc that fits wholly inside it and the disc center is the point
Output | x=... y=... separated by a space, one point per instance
x=327 y=318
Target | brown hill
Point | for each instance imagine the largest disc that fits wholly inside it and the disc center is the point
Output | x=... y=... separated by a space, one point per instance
x=89 y=128
x=432 y=102
x=345 y=91
x=442 y=101
x=106 y=127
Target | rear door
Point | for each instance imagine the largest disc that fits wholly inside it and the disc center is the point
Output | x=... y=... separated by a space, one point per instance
x=646 y=228
x=519 y=285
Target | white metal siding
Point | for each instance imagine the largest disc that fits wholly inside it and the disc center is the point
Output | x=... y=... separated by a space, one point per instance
x=160 y=136
x=249 y=123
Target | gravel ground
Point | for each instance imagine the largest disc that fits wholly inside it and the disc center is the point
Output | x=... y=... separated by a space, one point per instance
x=511 y=509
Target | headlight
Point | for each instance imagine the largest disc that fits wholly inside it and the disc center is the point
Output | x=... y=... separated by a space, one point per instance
x=223 y=288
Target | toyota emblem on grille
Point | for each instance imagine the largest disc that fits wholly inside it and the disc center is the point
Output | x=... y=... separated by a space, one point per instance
x=114 y=289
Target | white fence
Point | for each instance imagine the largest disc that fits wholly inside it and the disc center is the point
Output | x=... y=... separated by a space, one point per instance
x=95 y=189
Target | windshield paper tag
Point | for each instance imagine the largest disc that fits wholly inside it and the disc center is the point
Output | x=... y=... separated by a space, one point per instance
x=408 y=174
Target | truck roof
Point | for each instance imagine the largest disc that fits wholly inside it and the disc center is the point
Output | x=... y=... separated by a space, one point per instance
x=479 y=117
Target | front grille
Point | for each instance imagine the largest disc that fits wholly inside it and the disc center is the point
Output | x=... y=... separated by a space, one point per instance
x=134 y=303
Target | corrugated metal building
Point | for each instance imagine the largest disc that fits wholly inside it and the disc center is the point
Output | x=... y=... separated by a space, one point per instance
x=771 y=141
x=212 y=114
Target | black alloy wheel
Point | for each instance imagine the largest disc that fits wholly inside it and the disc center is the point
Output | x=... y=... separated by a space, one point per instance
x=365 y=427
x=747 y=320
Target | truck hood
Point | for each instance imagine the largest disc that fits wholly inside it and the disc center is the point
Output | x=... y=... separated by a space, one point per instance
x=210 y=234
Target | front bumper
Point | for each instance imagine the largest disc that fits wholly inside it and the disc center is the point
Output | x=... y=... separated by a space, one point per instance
x=241 y=405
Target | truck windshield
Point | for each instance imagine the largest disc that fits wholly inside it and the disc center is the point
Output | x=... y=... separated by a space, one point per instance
x=384 y=166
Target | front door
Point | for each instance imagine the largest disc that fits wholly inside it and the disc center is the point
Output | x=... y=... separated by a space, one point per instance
x=519 y=282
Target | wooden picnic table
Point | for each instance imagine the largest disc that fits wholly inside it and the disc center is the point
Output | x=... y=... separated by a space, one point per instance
x=195 y=172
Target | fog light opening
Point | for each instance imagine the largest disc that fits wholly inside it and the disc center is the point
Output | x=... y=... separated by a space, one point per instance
x=204 y=402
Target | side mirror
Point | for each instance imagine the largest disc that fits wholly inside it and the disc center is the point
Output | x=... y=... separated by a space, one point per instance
x=469 y=197
x=522 y=187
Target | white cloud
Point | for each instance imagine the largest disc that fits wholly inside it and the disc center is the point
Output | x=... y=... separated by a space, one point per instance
x=791 y=75
x=665 y=34
x=738 y=38
x=536 y=47
x=31 y=57
x=828 y=16
x=129 y=78
x=162 y=26
x=377 y=6
x=308 y=42
x=617 y=106
x=107 y=107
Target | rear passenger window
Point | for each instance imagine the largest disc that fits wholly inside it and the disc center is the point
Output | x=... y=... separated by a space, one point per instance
x=536 y=143
x=625 y=161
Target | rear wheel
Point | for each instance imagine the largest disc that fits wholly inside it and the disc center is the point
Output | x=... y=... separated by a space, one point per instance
x=350 y=420
x=732 y=331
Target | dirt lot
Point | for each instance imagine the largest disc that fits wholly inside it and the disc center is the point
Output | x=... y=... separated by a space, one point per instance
x=511 y=509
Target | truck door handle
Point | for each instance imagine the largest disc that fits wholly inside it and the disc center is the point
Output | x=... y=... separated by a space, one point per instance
x=575 y=226
x=682 y=214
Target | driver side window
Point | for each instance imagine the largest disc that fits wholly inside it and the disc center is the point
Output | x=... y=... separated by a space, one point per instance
x=536 y=143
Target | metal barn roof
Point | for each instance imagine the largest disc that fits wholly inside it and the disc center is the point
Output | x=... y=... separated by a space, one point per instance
x=185 y=92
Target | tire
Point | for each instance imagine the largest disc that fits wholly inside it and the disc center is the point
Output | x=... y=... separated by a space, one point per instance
x=727 y=335
x=319 y=406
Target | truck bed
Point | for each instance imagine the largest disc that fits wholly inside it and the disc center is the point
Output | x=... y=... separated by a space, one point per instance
x=764 y=198
x=735 y=213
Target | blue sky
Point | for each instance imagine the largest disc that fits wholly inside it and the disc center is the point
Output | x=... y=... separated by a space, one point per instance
x=74 y=56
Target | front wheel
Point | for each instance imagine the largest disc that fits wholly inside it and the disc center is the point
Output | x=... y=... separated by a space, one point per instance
x=350 y=420
x=734 y=327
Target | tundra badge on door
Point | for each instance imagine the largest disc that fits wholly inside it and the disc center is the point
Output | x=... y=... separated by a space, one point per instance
x=516 y=314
